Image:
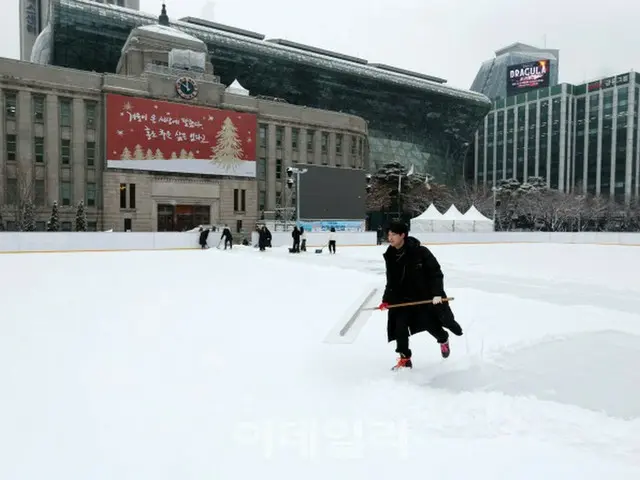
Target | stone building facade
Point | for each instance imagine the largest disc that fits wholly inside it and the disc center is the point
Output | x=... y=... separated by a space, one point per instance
x=53 y=137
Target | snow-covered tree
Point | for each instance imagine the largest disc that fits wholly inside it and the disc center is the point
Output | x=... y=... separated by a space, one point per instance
x=126 y=154
x=415 y=194
x=227 y=151
x=28 y=218
x=81 y=218
x=54 y=221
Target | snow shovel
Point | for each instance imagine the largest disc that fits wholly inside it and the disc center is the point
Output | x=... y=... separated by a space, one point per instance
x=347 y=328
x=410 y=304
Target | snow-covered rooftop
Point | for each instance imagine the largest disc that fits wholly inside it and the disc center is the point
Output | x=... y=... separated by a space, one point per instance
x=169 y=32
x=238 y=41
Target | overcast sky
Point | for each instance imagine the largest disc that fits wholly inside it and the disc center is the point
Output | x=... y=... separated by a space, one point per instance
x=445 y=38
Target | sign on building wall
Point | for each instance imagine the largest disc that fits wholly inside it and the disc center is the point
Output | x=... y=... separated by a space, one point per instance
x=339 y=225
x=144 y=134
x=525 y=77
x=31 y=14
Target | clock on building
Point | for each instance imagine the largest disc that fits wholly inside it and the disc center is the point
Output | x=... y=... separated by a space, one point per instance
x=187 y=88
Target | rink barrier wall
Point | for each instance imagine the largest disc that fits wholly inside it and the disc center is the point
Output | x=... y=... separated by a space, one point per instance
x=584 y=238
x=43 y=242
x=321 y=239
x=32 y=242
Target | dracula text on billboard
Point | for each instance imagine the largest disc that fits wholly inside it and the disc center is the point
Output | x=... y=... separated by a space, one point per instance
x=525 y=77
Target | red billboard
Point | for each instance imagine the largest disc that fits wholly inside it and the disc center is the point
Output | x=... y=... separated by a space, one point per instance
x=144 y=134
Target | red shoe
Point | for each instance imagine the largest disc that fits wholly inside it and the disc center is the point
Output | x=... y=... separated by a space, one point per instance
x=403 y=362
x=444 y=349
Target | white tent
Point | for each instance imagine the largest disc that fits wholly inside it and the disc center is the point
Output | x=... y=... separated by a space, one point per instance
x=427 y=221
x=452 y=220
x=237 y=89
x=478 y=221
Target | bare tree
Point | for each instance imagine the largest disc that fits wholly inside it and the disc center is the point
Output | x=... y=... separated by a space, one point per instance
x=421 y=195
x=379 y=198
x=21 y=194
x=466 y=195
x=558 y=211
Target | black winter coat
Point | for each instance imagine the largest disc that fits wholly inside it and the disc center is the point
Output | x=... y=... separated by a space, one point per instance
x=413 y=274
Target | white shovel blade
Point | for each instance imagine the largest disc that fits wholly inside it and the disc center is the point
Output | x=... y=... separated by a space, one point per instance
x=349 y=327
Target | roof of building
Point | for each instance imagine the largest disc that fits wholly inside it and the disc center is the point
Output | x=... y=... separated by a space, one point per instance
x=251 y=41
x=169 y=32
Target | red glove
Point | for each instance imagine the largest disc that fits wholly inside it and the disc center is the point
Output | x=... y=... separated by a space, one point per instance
x=383 y=306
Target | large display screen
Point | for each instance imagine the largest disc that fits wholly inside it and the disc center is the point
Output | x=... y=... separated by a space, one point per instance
x=525 y=77
x=332 y=193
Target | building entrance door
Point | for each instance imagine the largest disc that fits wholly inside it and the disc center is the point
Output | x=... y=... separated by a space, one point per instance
x=180 y=218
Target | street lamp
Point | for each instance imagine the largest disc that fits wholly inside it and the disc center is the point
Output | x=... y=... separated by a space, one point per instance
x=494 y=190
x=297 y=172
x=496 y=204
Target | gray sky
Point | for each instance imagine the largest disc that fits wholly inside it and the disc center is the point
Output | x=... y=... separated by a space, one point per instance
x=445 y=38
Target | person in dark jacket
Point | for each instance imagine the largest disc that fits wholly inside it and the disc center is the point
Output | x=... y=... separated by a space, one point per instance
x=263 y=238
x=269 y=237
x=204 y=234
x=228 y=238
x=296 y=240
x=414 y=274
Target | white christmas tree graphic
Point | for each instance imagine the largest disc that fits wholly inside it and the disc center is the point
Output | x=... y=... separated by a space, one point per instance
x=190 y=155
x=159 y=155
x=138 y=153
x=228 y=149
x=149 y=155
x=174 y=156
x=126 y=154
x=183 y=154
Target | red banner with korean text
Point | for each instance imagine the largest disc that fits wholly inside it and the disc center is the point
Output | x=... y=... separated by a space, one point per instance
x=145 y=134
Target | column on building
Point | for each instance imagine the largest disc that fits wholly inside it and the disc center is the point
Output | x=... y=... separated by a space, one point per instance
x=271 y=167
x=630 y=129
x=3 y=149
x=614 y=144
x=52 y=148
x=562 y=144
x=302 y=146
x=78 y=150
x=599 y=147
x=495 y=149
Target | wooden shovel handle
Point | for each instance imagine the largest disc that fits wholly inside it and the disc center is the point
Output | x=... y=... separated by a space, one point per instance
x=410 y=304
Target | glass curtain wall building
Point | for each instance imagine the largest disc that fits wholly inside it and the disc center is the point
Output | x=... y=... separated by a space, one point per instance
x=34 y=16
x=580 y=138
x=413 y=119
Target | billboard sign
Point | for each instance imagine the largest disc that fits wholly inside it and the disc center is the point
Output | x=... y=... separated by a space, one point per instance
x=146 y=134
x=339 y=225
x=525 y=77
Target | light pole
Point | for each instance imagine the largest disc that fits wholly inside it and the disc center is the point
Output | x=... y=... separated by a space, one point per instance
x=494 y=190
x=297 y=171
